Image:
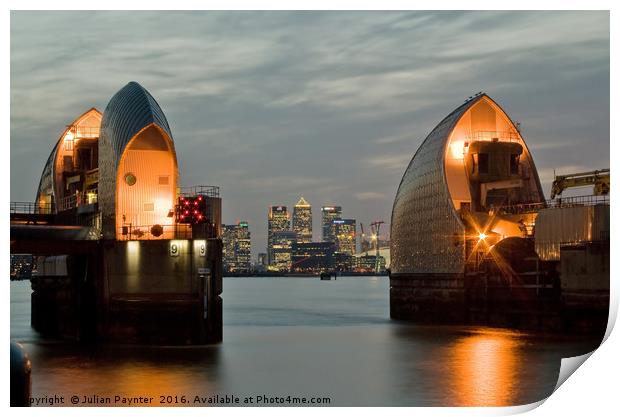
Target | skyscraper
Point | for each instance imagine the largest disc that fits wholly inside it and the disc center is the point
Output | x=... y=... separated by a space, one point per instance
x=302 y=221
x=277 y=221
x=236 y=251
x=243 y=248
x=228 y=247
x=282 y=250
x=344 y=234
x=329 y=214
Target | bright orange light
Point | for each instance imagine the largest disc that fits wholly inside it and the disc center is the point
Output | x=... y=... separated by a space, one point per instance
x=457 y=149
x=482 y=236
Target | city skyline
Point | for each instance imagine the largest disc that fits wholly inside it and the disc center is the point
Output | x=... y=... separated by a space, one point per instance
x=282 y=229
x=329 y=104
x=285 y=229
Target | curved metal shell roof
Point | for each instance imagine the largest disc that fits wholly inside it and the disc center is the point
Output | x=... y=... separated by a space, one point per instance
x=46 y=182
x=130 y=110
x=424 y=222
x=423 y=209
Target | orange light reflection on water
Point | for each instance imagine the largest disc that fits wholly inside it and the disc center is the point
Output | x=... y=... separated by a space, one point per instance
x=129 y=381
x=485 y=369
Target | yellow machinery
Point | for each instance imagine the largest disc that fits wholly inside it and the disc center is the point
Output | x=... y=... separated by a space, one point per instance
x=599 y=179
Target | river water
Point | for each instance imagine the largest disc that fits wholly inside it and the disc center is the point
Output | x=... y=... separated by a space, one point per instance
x=307 y=339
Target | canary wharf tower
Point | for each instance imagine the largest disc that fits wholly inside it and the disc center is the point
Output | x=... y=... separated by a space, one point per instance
x=302 y=221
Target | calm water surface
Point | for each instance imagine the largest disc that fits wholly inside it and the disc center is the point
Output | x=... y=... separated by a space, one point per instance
x=309 y=338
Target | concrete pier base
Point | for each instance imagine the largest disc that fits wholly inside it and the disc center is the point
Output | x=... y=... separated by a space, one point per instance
x=428 y=298
x=452 y=299
x=148 y=292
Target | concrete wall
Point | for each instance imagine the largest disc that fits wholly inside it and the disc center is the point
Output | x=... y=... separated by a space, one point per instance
x=428 y=298
x=153 y=266
x=159 y=292
x=585 y=267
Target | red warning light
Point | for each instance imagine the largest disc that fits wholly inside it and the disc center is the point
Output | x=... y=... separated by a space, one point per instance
x=191 y=210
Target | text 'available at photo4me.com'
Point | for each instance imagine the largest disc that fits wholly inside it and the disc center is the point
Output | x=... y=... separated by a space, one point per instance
x=178 y=400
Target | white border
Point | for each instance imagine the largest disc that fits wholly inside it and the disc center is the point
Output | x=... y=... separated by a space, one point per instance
x=592 y=391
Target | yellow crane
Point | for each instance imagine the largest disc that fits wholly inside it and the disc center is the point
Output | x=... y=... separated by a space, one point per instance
x=599 y=179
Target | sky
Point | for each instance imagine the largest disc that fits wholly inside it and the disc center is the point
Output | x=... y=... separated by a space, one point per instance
x=328 y=105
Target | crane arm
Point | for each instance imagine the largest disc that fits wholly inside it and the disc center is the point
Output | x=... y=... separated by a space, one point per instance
x=600 y=179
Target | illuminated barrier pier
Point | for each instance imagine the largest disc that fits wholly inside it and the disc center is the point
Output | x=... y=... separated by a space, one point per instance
x=123 y=253
x=473 y=240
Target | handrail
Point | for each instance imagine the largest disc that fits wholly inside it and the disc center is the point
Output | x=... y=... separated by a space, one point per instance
x=206 y=190
x=584 y=200
x=154 y=232
x=78 y=199
x=18 y=207
x=489 y=135
x=84 y=132
x=163 y=232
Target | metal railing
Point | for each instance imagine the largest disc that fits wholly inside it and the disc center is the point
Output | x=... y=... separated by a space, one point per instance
x=520 y=208
x=78 y=199
x=484 y=135
x=584 y=200
x=18 y=207
x=84 y=132
x=166 y=232
x=154 y=232
x=206 y=190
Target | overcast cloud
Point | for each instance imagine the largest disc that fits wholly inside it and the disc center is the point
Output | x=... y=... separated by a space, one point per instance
x=329 y=105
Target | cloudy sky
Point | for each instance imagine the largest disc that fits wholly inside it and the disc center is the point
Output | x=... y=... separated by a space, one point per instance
x=270 y=106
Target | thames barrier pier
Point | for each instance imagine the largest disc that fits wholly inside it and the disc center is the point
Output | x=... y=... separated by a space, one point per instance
x=474 y=241
x=124 y=254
